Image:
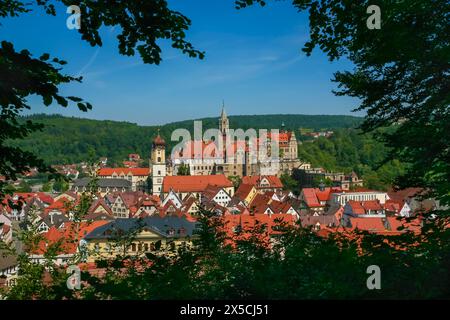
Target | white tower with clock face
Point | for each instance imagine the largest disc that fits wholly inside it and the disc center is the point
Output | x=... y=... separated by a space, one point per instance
x=158 y=164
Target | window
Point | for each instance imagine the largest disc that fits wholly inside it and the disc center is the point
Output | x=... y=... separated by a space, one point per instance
x=133 y=247
x=159 y=159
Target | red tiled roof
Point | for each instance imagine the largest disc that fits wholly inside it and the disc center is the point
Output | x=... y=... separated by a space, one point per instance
x=405 y=193
x=310 y=198
x=361 y=207
x=124 y=171
x=130 y=198
x=5 y=229
x=67 y=237
x=280 y=207
x=194 y=183
x=368 y=224
x=62 y=204
x=356 y=206
x=188 y=202
x=313 y=196
x=98 y=203
x=45 y=197
x=249 y=222
x=260 y=200
x=211 y=191
x=130 y=164
x=322 y=220
x=392 y=206
x=27 y=196
x=325 y=195
x=274 y=181
x=372 y=205
x=400 y=225
x=243 y=191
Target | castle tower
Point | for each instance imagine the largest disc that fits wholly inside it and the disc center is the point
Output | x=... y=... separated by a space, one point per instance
x=293 y=146
x=223 y=121
x=158 y=164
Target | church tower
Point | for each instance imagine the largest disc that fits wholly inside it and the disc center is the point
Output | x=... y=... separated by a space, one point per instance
x=158 y=164
x=223 y=121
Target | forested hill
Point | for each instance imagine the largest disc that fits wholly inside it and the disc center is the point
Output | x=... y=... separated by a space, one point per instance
x=71 y=140
x=273 y=121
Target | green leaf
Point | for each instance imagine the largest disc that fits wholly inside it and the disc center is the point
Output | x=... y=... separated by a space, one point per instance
x=82 y=106
x=47 y=100
x=44 y=57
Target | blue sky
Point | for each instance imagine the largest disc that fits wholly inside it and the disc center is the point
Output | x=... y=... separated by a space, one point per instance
x=253 y=62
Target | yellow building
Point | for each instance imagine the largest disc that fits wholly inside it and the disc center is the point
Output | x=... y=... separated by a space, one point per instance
x=155 y=234
x=246 y=193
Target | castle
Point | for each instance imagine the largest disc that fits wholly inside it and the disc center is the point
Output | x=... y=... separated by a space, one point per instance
x=232 y=159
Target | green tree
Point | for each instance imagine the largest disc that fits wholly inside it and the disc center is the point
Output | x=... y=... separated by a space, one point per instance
x=236 y=180
x=183 y=170
x=47 y=187
x=60 y=185
x=23 y=187
x=290 y=183
x=142 y=24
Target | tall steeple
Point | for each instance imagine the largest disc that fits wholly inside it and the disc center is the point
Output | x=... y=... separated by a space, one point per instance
x=223 y=121
x=223 y=114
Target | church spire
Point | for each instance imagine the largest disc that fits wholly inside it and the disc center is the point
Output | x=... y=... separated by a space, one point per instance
x=223 y=121
x=223 y=114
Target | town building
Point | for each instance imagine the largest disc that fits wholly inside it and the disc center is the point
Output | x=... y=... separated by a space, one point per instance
x=312 y=177
x=245 y=193
x=155 y=234
x=359 y=195
x=264 y=183
x=137 y=176
x=102 y=186
x=9 y=268
x=195 y=185
x=215 y=194
x=316 y=200
x=66 y=241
